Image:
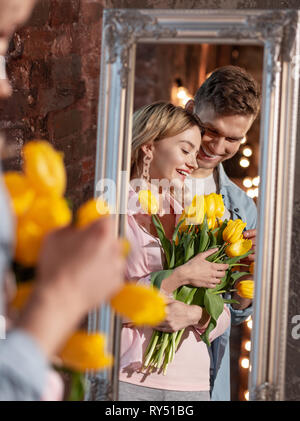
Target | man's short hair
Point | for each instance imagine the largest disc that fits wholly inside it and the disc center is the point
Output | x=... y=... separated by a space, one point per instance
x=230 y=90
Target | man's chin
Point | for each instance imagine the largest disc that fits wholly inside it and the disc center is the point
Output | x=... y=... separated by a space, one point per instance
x=208 y=165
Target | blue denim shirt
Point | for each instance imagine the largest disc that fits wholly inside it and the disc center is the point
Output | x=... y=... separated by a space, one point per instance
x=242 y=207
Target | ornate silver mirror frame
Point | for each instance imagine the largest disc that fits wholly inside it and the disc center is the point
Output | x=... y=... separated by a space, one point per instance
x=278 y=32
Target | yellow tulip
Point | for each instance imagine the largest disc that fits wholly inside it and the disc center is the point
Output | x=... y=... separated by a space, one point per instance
x=50 y=213
x=142 y=305
x=251 y=268
x=212 y=223
x=210 y=205
x=220 y=207
x=44 y=168
x=148 y=202
x=29 y=237
x=22 y=295
x=20 y=191
x=245 y=289
x=214 y=206
x=234 y=231
x=85 y=351
x=194 y=213
x=238 y=248
x=90 y=211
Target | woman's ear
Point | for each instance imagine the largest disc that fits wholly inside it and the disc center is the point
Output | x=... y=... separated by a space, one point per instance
x=189 y=106
x=148 y=149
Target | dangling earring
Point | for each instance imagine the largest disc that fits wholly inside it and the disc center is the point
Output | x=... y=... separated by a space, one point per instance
x=146 y=167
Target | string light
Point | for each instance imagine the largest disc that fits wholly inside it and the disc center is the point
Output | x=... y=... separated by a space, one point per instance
x=247 y=182
x=255 y=192
x=251 y=193
x=247 y=152
x=249 y=324
x=244 y=140
x=246 y=395
x=248 y=346
x=255 y=181
x=244 y=162
x=245 y=363
x=180 y=95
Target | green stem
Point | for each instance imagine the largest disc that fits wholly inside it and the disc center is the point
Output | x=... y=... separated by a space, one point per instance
x=153 y=345
x=162 y=349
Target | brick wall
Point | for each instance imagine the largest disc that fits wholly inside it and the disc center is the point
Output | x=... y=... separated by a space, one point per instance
x=54 y=64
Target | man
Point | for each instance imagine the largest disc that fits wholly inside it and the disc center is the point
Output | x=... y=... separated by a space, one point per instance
x=226 y=105
x=67 y=284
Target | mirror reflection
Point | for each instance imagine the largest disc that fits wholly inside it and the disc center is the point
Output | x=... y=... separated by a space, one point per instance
x=195 y=145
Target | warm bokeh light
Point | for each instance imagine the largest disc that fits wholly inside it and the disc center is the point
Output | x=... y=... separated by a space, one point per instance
x=255 y=181
x=247 y=152
x=247 y=182
x=244 y=162
x=245 y=363
x=244 y=141
x=251 y=193
x=249 y=324
x=255 y=192
x=246 y=395
x=248 y=346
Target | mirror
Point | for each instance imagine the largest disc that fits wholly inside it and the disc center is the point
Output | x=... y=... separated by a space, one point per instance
x=276 y=35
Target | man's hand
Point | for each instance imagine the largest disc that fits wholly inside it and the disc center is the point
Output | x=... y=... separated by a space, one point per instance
x=78 y=269
x=250 y=235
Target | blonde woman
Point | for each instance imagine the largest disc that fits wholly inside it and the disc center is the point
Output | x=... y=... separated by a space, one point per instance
x=165 y=144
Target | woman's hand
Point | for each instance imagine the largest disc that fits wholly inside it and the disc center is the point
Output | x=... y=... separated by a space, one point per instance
x=181 y=315
x=199 y=272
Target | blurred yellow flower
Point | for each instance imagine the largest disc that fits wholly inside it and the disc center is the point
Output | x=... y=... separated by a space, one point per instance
x=23 y=293
x=90 y=211
x=148 y=202
x=29 y=237
x=44 y=168
x=49 y=213
x=245 y=289
x=142 y=305
x=20 y=191
x=238 y=248
x=85 y=351
x=234 y=230
x=220 y=207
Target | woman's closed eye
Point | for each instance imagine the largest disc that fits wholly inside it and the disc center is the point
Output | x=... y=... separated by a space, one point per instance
x=185 y=152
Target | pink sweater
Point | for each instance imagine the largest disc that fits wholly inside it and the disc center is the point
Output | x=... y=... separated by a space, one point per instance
x=189 y=370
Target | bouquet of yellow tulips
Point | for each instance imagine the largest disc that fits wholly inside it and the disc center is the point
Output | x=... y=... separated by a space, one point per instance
x=198 y=230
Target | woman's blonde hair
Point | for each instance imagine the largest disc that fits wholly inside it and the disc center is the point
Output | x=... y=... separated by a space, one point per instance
x=155 y=122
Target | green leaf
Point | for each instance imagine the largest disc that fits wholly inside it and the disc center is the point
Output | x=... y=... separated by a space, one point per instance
x=213 y=240
x=165 y=242
x=230 y=301
x=204 y=237
x=199 y=297
x=220 y=233
x=237 y=275
x=159 y=276
x=214 y=305
x=184 y=293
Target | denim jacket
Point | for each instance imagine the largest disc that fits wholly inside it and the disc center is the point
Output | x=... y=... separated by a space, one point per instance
x=241 y=207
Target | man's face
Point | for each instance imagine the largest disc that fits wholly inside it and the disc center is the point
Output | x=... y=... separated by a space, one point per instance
x=222 y=138
x=13 y=13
